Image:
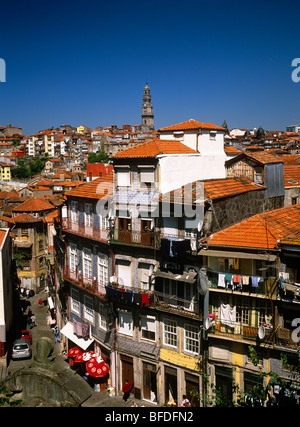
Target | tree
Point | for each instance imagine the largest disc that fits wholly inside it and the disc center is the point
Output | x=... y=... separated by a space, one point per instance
x=99 y=157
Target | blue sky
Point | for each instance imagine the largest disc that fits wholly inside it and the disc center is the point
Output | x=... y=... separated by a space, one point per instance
x=87 y=62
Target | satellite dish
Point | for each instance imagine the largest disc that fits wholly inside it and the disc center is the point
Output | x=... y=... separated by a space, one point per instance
x=261 y=332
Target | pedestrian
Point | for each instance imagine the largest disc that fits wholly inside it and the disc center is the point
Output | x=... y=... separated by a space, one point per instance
x=56 y=334
x=185 y=401
x=33 y=320
x=40 y=303
x=27 y=293
x=134 y=405
x=126 y=390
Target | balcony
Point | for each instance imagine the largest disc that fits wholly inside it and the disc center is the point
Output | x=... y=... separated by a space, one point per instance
x=89 y=283
x=262 y=289
x=149 y=238
x=175 y=304
x=278 y=337
x=89 y=231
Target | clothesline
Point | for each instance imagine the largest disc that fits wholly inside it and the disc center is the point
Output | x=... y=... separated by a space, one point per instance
x=129 y=297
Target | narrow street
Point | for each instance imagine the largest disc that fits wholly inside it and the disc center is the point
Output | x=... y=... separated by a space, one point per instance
x=42 y=329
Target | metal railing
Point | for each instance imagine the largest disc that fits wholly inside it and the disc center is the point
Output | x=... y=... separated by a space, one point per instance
x=82 y=229
x=147 y=238
x=88 y=283
x=173 y=301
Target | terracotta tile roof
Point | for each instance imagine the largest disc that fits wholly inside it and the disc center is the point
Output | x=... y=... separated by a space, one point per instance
x=262 y=157
x=191 y=124
x=155 y=147
x=229 y=149
x=290 y=159
x=21 y=218
x=291 y=175
x=7 y=194
x=262 y=231
x=96 y=189
x=213 y=189
x=33 y=204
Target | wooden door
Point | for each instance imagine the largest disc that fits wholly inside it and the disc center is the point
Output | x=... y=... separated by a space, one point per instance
x=127 y=370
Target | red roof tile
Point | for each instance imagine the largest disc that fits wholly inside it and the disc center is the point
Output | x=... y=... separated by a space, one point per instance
x=191 y=124
x=291 y=176
x=96 y=189
x=213 y=189
x=33 y=204
x=155 y=147
x=263 y=230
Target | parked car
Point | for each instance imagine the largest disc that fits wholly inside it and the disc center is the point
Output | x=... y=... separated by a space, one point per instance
x=21 y=349
x=25 y=334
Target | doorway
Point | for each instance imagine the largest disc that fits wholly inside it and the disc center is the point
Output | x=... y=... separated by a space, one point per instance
x=171 y=391
x=149 y=382
x=127 y=369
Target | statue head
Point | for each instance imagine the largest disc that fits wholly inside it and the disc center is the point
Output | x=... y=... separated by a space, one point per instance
x=44 y=350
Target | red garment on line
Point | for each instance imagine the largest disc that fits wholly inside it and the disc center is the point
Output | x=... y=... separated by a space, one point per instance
x=145 y=300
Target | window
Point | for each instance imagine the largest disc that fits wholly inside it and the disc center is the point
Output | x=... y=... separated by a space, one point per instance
x=258 y=174
x=41 y=245
x=123 y=178
x=87 y=263
x=191 y=338
x=88 y=214
x=147 y=176
x=125 y=323
x=243 y=312
x=74 y=211
x=170 y=333
x=75 y=305
x=73 y=257
x=102 y=269
x=148 y=327
x=103 y=317
x=88 y=309
x=212 y=135
x=294 y=200
x=124 y=272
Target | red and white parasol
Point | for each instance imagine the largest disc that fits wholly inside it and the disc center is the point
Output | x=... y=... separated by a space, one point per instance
x=85 y=357
x=96 y=367
x=74 y=352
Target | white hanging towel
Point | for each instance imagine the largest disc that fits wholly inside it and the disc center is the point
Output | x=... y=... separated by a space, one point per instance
x=221 y=280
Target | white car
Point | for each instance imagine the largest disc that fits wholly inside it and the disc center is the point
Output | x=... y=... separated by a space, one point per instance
x=21 y=349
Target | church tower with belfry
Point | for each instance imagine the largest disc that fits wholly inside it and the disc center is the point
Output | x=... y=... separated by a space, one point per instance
x=147 y=110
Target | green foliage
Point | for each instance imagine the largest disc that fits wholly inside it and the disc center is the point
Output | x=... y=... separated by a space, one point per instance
x=5 y=399
x=99 y=157
x=28 y=167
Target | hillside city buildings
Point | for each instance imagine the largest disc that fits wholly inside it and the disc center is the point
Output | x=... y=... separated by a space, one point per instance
x=171 y=260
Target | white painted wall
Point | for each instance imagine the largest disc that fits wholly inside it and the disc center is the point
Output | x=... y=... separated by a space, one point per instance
x=180 y=169
x=205 y=144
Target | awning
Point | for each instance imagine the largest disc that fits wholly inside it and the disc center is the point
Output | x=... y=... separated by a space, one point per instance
x=67 y=331
x=188 y=277
x=244 y=255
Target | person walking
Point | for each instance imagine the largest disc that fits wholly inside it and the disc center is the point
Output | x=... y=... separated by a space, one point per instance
x=56 y=334
x=126 y=390
x=33 y=320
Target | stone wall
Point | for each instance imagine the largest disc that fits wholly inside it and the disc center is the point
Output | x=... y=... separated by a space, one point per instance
x=223 y=213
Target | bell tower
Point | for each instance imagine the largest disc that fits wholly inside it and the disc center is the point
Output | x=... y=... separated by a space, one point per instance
x=147 y=109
